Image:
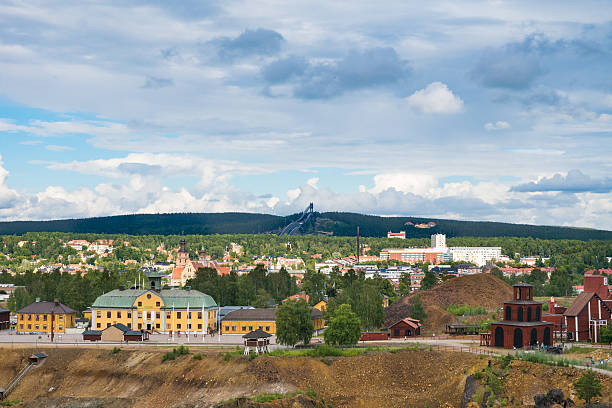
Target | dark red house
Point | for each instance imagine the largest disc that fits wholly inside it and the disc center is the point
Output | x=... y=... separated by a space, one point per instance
x=555 y=316
x=5 y=319
x=590 y=310
x=405 y=328
x=522 y=325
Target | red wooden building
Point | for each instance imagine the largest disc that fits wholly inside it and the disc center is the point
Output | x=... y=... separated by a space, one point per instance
x=556 y=317
x=522 y=325
x=590 y=310
x=405 y=328
x=5 y=319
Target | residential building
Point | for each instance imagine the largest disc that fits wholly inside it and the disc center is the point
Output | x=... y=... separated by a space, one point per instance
x=243 y=321
x=156 y=309
x=477 y=255
x=400 y=235
x=438 y=241
x=44 y=317
x=413 y=255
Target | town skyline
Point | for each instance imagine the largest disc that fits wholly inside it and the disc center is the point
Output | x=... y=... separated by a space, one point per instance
x=490 y=111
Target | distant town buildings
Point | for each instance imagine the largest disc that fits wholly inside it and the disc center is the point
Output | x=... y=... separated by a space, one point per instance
x=400 y=235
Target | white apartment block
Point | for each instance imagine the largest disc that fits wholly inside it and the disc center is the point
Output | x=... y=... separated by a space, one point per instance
x=476 y=255
x=438 y=241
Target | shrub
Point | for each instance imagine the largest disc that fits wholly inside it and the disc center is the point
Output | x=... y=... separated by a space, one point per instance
x=227 y=356
x=197 y=356
x=169 y=356
x=115 y=350
x=181 y=350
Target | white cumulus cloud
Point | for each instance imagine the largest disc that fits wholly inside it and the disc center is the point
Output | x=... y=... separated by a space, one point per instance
x=436 y=98
x=499 y=125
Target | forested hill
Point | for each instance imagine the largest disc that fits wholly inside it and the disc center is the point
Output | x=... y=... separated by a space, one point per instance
x=329 y=223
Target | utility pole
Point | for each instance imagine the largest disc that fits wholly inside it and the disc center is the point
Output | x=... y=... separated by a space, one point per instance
x=358 y=249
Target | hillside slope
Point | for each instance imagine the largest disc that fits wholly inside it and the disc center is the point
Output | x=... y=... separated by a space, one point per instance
x=334 y=223
x=482 y=289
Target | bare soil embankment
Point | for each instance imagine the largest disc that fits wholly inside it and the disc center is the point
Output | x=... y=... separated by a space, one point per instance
x=483 y=290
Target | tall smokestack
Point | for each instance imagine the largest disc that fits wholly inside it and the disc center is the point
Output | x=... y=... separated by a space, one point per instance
x=358 y=249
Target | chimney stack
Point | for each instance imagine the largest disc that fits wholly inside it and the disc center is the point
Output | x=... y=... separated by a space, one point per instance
x=56 y=301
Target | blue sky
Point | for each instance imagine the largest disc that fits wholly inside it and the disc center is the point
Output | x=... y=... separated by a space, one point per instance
x=483 y=110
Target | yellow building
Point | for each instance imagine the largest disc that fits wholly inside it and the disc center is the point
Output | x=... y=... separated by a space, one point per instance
x=156 y=310
x=40 y=317
x=243 y=321
x=322 y=305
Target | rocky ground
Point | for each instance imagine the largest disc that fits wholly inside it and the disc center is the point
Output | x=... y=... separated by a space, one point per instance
x=72 y=378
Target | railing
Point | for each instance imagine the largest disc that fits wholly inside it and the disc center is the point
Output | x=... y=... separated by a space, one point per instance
x=16 y=380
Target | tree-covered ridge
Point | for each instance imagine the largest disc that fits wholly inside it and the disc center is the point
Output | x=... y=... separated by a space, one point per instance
x=336 y=223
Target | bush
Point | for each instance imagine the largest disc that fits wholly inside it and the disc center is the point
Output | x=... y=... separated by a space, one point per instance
x=466 y=310
x=115 y=350
x=181 y=350
x=169 y=356
x=227 y=356
x=197 y=356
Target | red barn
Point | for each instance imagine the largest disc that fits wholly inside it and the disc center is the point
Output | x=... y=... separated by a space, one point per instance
x=405 y=328
x=590 y=310
x=522 y=325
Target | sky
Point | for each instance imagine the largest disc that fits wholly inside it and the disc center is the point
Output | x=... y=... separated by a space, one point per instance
x=472 y=110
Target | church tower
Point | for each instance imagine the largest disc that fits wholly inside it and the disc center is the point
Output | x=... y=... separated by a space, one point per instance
x=183 y=256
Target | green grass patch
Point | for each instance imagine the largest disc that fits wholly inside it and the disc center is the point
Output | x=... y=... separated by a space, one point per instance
x=176 y=352
x=466 y=310
x=115 y=350
x=580 y=350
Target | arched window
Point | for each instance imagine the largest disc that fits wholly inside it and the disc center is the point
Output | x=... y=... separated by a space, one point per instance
x=499 y=337
x=546 y=339
x=533 y=339
x=520 y=314
x=508 y=313
x=528 y=313
x=538 y=313
x=518 y=338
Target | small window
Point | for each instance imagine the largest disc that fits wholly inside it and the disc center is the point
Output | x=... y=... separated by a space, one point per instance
x=108 y=325
x=200 y=326
x=21 y=318
x=139 y=304
x=148 y=296
x=61 y=327
x=98 y=325
x=157 y=315
x=29 y=317
x=44 y=327
x=108 y=315
x=119 y=315
x=29 y=326
x=199 y=315
x=98 y=314
x=139 y=326
x=167 y=325
x=61 y=318
x=250 y=328
x=178 y=326
x=233 y=328
x=396 y=332
x=189 y=315
x=168 y=315
x=243 y=328
x=129 y=315
x=189 y=326
x=140 y=315
x=178 y=315
x=157 y=325
x=44 y=318
x=36 y=327
x=267 y=328
x=21 y=325
x=129 y=325
x=157 y=304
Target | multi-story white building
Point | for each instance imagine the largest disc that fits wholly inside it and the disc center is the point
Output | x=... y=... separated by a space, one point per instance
x=476 y=255
x=438 y=241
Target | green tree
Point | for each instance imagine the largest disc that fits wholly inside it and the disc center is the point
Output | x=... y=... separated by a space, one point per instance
x=588 y=386
x=429 y=281
x=344 y=328
x=417 y=311
x=294 y=323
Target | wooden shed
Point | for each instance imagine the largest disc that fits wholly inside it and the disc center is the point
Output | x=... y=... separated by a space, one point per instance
x=136 y=335
x=92 y=335
x=407 y=327
x=114 y=333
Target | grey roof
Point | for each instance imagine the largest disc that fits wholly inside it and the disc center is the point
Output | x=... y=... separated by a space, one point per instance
x=522 y=302
x=261 y=315
x=522 y=324
x=4 y=310
x=251 y=314
x=46 y=308
x=257 y=334
x=523 y=284
x=133 y=333
x=92 y=333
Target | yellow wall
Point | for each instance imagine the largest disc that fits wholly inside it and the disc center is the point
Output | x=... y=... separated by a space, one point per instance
x=322 y=305
x=147 y=310
x=28 y=323
x=318 y=324
x=87 y=315
x=236 y=327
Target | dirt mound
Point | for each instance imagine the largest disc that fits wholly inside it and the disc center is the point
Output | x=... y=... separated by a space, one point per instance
x=482 y=289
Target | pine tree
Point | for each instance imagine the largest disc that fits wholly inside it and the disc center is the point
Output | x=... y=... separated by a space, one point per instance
x=588 y=386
